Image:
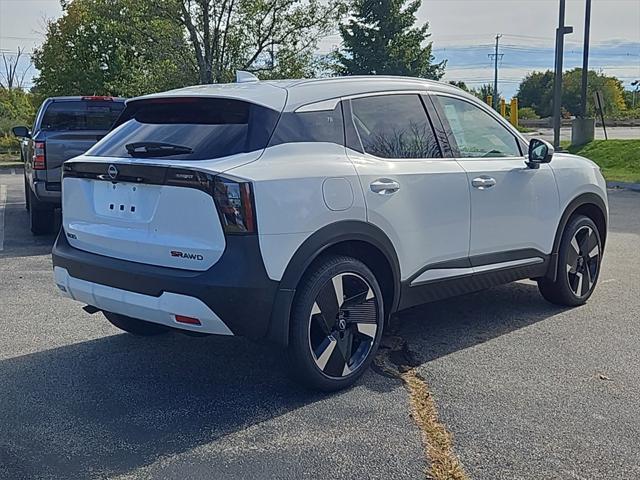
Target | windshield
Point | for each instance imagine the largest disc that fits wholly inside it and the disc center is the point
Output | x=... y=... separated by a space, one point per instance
x=188 y=129
x=81 y=115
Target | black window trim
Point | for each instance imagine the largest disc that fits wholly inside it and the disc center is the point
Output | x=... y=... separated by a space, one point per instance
x=520 y=142
x=352 y=135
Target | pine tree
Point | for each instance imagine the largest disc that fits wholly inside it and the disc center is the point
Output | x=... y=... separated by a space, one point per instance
x=382 y=39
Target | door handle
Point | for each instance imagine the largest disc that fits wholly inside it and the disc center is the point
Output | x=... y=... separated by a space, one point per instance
x=483 y=182
x=384 y=186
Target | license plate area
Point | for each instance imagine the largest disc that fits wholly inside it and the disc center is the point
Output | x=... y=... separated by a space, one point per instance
x=126 y=201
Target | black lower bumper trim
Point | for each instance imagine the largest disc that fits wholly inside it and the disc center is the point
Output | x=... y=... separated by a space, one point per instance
x=236 y=288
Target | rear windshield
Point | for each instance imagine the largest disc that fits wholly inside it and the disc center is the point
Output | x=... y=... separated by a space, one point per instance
x=81 y=115
x=189 y=129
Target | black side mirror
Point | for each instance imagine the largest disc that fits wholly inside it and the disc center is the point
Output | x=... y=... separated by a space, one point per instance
x=22 y=132
x=539 y=152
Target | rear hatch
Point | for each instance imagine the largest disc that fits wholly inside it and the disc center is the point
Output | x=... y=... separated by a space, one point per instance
x=151 y=190
x=71 y=127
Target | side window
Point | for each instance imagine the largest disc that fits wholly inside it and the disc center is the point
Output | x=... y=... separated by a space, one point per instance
x=394 y=126
x=320 y=126
x=476 y=132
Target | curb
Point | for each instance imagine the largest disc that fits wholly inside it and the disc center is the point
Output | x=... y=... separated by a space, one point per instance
x=627 y=186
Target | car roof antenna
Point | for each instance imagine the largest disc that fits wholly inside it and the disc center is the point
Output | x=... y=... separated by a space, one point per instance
x=245 y=77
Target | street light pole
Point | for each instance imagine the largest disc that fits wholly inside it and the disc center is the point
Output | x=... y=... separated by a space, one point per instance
x=557 y=86
x=585 y=58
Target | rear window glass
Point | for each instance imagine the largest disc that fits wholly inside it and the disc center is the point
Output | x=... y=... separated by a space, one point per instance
x=81 y=115
x=189 y=129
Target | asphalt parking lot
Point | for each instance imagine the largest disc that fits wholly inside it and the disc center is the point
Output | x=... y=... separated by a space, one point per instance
x=527 y=390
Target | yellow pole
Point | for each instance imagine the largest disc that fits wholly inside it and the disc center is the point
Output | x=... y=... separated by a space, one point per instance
x=503 y=107
x=514 y=111
x=490 y=100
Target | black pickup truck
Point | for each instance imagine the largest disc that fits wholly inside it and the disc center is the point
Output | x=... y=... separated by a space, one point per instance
x=65 y=127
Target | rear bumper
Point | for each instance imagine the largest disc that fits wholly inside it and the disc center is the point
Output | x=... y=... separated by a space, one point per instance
x=48 y=192
x=235 y=296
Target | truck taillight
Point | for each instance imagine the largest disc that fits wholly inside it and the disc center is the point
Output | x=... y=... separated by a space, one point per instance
x=39 y=156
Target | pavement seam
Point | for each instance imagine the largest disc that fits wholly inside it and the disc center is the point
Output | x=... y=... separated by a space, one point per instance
x=395 y=360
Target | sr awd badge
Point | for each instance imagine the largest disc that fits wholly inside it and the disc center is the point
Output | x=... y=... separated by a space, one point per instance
x=186 y=255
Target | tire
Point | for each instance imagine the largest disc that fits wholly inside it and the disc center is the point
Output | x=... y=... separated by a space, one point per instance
x=134 y=326
x=40 y=216
x=26 y=194
x=332 y=341
x=579 y=260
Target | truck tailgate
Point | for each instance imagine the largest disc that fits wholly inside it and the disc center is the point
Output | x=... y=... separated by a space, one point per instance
x=61 y=146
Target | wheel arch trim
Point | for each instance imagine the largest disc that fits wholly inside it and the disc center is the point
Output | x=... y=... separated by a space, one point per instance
x=314 y=246
x=581 y=200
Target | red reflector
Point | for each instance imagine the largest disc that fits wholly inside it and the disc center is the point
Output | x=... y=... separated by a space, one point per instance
x=39 y=160
x=187 y=320
x=98 y=98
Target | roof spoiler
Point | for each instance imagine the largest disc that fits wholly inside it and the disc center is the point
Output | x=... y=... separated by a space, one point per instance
x=245 y=77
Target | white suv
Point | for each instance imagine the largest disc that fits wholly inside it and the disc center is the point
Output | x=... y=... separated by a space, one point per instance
x=307 y=212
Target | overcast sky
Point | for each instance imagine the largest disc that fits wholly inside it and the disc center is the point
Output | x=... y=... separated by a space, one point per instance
x=463 y=32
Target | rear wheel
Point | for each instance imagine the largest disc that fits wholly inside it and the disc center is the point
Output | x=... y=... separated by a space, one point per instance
x=579 y=260
x=336 y=323
x=135 y=326
x=40 y=215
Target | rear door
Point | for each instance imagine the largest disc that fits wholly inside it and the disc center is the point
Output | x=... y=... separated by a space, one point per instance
x=71 y=127
x=514 y=209
x=417 y=197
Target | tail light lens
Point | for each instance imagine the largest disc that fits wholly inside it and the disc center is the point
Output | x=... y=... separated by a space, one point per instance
x=233 y=198
x=234 y=201
x=39 y=156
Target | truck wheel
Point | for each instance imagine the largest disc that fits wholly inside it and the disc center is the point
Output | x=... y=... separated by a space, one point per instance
x=135 y=326
x=40 y=216
x=336 y=323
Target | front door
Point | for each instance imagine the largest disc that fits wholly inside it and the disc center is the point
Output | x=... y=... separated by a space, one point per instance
x=514 y=209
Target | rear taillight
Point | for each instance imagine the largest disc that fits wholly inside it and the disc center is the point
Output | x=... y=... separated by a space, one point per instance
x=39 y=156
x=233 y=198
x=234 y=201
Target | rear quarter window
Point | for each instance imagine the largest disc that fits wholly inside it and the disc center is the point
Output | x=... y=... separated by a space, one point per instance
x=81 y=115
x=319 y=126
x=208 y=128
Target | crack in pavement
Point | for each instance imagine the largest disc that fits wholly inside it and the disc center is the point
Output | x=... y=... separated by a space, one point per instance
x=396 y=360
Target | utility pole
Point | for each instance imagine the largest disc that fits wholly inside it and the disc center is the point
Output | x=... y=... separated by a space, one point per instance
x=557 y=85
x=585 y=58
x=496 y=56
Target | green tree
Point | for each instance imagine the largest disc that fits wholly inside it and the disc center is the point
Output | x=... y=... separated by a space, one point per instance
x=536 y=91
x=116 y=47
x=460 y=84
x=272 y=38
x=16 y=108
x=381 y=38
x=484 y=91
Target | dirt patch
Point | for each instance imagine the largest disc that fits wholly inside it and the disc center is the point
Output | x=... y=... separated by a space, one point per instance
x=395 y=360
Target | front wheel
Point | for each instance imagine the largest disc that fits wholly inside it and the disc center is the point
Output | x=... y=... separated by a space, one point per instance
x=336 y=323
x=135 y=326
x=579 y=261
